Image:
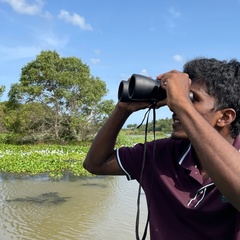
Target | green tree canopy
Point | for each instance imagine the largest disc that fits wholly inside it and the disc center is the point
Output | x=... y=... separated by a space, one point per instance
x=65 y=86
x=2 y=89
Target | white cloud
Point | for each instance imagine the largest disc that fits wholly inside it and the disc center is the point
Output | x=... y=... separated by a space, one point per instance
x=74 y=19
x=43 y=41
x=23 y=7
x=19 y=52
x=97 y=51
x=171 y=18
x=173 y=13
x=95 y=60
x=178 y=58
x=144 y=72
x=50 y=41
x=46 y=15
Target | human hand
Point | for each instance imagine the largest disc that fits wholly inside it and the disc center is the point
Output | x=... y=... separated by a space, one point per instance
x=132 y=106
x=177 y=85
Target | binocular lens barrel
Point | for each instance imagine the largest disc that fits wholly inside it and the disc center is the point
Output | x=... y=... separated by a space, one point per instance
x=140 y=88
x=123 y=91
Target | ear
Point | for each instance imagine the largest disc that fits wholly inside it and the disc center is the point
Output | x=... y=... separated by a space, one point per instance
x=228 y=115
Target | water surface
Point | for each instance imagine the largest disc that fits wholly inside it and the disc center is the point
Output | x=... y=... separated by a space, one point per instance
x=98 y=208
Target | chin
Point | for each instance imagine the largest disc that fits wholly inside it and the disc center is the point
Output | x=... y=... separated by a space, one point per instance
x=179 y=135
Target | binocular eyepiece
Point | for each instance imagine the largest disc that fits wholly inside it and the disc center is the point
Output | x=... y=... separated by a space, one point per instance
x=140 y=88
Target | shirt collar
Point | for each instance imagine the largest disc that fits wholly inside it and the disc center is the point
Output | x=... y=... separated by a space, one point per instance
x=187 y=158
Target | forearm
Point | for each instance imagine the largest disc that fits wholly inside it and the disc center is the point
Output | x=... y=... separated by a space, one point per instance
x=216 y=154
x=102 y=148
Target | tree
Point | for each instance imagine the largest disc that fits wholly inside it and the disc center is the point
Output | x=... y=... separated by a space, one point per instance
x=63 y=84
x=132 y=126
x=2 y=89
x=3 y=128
x=2 y=107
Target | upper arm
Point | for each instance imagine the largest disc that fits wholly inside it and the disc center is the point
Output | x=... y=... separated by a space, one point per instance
x=112 y=166
x=108 y=167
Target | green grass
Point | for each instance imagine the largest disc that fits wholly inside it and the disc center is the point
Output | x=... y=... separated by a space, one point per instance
x=35 y=159
x=54 y=160
x=128 y=139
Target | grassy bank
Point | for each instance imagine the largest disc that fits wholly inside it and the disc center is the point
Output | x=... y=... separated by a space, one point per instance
x=54 y=159
x=35 y=159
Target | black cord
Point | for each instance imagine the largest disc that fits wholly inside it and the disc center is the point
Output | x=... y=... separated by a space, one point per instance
x=142 y=170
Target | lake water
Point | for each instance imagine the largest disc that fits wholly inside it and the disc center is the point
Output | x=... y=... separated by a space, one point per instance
x=97 y=208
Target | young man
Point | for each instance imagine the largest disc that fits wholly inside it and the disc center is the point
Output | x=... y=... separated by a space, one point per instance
x=192 y=179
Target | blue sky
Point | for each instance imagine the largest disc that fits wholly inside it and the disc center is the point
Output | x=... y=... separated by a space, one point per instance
x=117 y=38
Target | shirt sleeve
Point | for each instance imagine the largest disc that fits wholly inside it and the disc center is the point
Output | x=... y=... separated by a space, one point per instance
x=130 y=160
x=151 y=154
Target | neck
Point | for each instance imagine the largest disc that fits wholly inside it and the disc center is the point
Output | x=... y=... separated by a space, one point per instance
x=203 y=172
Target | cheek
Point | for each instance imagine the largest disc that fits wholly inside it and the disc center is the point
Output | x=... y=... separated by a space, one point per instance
x=207 y=114
x=210 y=118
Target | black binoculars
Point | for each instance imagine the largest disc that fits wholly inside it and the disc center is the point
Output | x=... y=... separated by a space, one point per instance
x=140 y=88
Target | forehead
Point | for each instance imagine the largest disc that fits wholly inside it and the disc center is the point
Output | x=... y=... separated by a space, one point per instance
x=198 y=87
x=200 y=90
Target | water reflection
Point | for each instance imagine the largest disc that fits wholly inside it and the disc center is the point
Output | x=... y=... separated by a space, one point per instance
x=99 y=208
x=44 y=198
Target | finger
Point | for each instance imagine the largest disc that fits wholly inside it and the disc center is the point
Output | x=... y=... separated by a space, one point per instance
x=160 y=76
x=161 y=103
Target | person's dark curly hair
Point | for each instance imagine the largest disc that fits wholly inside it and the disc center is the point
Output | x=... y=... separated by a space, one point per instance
x=222 y=81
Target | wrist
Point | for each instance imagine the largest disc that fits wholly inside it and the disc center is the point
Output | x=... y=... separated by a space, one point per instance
x=123 y=109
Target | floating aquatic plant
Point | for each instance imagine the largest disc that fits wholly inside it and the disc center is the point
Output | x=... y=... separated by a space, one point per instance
x=35 y=159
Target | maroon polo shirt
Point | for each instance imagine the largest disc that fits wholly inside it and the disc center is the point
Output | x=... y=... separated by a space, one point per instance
x=182 y=205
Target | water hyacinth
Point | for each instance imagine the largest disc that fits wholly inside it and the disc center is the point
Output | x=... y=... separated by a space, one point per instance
x=55 y=160
x=35 y=159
